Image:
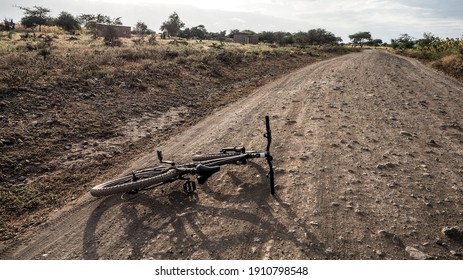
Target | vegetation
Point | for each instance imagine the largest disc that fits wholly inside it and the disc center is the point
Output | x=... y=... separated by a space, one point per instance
x=443 y=54
x=173 y=25
x=141 y=28
x=404 y=41
x=364 y=38
x=89 y=21
x=36 y=16
x=197 y=32
x=68 y=22
x=7 y=25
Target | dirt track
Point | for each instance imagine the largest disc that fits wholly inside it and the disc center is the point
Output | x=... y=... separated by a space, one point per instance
x=368 y=151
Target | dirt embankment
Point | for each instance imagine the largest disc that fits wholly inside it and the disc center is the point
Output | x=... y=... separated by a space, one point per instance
x=369 y=165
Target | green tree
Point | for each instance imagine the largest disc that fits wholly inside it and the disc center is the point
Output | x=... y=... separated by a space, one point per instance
x=279 y=37
x=360 y=38
x=300 y=38
x=68 y=22
x=219 y=36
x=185 y=33
x=141 y=28
x=173 y=25
x=375 y=42
x=267 y=37
x=89 y=21
x=322 y=37
x=428 y=41
x=287 y=40
x=199 y=32
x=405 y=41
x=35 y=16
x=86 y=20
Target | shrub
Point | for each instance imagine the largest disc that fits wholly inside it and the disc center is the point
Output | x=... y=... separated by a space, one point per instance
x=15 y=77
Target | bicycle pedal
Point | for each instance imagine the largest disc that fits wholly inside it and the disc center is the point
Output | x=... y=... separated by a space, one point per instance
x=189 y=187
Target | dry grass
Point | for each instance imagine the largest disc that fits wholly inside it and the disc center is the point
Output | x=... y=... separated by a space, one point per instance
x=450 y=61
x=51 y=58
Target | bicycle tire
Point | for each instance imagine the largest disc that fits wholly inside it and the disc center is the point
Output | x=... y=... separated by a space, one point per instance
x=205 y=157
x=125 y=184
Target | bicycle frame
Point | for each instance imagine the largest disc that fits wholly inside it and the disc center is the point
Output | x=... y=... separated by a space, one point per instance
x=203 y=166
x=204 y=169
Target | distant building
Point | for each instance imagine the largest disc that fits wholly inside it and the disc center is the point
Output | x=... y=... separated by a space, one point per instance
x=113 y=31
x=246 y=38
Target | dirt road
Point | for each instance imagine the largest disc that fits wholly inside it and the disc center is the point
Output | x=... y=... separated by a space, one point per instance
x=368 y=151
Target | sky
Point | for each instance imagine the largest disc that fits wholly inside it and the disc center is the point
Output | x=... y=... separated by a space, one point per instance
x=384 y=19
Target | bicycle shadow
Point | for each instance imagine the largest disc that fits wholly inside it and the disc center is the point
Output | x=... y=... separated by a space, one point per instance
x=173 y=225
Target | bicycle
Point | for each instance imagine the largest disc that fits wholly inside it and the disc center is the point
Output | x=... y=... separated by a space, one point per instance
x=203 y=166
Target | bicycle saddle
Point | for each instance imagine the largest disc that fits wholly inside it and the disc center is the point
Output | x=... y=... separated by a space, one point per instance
x=204 y=172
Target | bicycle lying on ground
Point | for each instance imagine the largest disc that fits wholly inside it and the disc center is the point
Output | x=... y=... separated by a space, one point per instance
x=203 y=166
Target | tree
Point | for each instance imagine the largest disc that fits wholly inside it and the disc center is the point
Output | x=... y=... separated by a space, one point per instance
x=36 y=16
x=375 y=42
x=267 y=37
x=233 y=32
x=322 y=37
x=68 y=22
x=360 y=38
x=141 y=28
x=287 y=40
x=185 y=33
x=8 y=25
x=428 y=41
x=117 y=21
x=86 y=20
x=220 y=36
x=199 y=32
x=405 y=41
x=282 y=38
x=89 y=21
x=173 y=25
x=248 y=32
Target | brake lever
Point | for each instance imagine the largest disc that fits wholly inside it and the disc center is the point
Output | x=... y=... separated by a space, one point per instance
x=159 y=153
x=268 y=134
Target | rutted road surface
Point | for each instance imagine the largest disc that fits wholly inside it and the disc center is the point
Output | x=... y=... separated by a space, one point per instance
x=368 y=151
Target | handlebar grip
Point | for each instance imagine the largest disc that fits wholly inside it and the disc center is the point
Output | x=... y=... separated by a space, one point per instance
x=268 y=134
x=271 y=173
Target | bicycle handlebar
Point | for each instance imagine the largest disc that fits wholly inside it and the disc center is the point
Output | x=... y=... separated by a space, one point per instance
x=268 y=156
x=205 y=169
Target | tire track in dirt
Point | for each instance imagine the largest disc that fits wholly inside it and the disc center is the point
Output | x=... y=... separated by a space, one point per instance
x=357 y=176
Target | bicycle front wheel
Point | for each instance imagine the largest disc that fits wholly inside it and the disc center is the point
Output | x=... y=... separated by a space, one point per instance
x=126 y=183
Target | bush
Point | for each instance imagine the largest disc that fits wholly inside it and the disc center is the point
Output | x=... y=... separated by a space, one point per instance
x=113 y=42
x=16 y=77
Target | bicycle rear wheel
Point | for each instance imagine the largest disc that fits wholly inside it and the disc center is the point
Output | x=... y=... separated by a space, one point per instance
x=206 y=157
x=126 y=183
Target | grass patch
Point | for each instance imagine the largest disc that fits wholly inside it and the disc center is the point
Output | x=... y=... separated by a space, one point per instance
x=449 y=61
